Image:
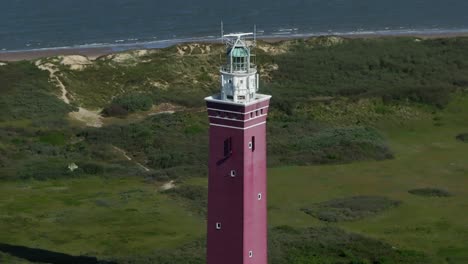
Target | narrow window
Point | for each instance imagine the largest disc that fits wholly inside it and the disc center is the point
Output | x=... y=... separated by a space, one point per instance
x=218 y=226
x=256 y=113
x=260 y=196
x=251 y=115
x=227 y=147
x=253 y=144
x=261 y=111
x=250 y=254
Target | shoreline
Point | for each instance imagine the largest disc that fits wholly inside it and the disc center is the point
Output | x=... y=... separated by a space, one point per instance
x=93 y=52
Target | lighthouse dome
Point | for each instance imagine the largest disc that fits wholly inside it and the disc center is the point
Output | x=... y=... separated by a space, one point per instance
x=238 y=52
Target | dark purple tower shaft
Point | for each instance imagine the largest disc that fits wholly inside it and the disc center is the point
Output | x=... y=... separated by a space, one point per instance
x=237 y=196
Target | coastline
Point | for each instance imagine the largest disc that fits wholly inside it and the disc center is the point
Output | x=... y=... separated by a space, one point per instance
x=93 y=52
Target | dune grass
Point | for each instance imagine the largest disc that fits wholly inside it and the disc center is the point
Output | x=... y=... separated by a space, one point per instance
x=381 y=133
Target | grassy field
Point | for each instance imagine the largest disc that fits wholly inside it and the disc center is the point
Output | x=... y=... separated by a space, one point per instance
x=96 y=216
x=112 y=217
x=376 y=127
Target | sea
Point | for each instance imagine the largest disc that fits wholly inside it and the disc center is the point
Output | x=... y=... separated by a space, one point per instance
x=50 y=24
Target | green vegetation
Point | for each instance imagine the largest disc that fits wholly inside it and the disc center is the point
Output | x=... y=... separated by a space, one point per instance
x=394 y=69
x=26 y=97
x=366 y=118
x=350 y=209
x=463 y=137
x=328 y=245
x=195 y=196
x=430 y=192
x=129 y=103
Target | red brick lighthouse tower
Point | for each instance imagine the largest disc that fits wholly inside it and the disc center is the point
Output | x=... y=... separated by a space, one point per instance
x=237 y=205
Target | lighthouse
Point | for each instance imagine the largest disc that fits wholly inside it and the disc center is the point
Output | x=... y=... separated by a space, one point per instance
x=237 y=184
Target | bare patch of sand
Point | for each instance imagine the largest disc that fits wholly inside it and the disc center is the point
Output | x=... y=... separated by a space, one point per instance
x=164 y=108
x=163 y=85
x=193 y=49
x=329 y=41
x=274 y=49
x=167 y=186
x=267 y=69
x=129 y=58
x=90 y=118
x=75 y=62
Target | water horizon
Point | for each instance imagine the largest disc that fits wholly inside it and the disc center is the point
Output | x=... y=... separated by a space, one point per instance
x=27 y=25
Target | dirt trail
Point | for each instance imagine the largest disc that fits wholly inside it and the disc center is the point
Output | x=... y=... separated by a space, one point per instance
x=90 y=118
x=124 y=153
x=51 y=68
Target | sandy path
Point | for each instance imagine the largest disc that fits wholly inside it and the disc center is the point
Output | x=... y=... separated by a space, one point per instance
x=124 y=153
x=52 y=70
x=90 y=118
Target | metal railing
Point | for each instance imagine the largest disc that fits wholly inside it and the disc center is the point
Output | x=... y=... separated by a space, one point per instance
x=242 y=68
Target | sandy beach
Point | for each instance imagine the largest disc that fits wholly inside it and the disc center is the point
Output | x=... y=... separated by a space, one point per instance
x=95 y=52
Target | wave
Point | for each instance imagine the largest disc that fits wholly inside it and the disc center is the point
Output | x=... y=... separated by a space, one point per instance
x=135 y=43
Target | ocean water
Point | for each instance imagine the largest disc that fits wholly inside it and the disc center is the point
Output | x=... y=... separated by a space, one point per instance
x=33 y=24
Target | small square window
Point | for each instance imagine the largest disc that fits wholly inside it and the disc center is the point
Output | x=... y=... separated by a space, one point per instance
x=233 y=173
x=218 y=226
x=250 y=254
x=250 y=145
x=259 y=196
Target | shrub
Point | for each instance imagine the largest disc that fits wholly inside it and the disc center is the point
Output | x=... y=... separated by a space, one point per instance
x=131 y=102
x=350 y=209
x=91 y=168
x=45 y=169
x=115 y=110
x=430 y=192
x=462 y=137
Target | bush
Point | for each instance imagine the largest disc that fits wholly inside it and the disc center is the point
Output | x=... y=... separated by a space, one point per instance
x=329 y=245
x=462 y=137
x=324 y=145
x=45 y=169
x=91 y=168
x=350 y=209
x=430 y=192
x=115 y=110
x=131 y=102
